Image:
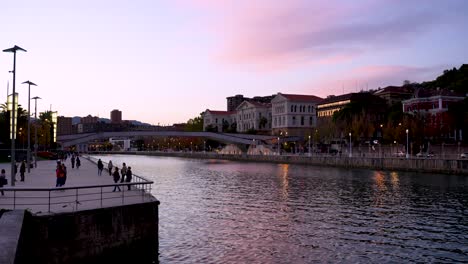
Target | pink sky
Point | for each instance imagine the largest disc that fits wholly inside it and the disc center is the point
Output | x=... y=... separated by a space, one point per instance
x=165 y=62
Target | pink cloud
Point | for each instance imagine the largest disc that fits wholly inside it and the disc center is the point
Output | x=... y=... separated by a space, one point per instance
x=276 y=34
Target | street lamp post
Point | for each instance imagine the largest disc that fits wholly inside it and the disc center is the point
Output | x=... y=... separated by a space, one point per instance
x=13 y=132
x=309 y=145
x=28 y=158
x=204 y=146
x=279 y=147
x=407 y=144
x=350 y=146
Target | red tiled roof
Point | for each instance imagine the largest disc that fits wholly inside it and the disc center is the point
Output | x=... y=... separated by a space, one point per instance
x=300 y=97
x=218 y=112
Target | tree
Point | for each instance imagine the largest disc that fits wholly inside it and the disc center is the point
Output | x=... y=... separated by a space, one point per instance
x=195 y=124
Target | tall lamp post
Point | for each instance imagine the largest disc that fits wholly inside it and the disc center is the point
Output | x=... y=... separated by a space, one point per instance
x=350 y=146
x=28 y=158
x=309 y=145
x=279 y=147
x=407 y=144
x=35 y=130
x=13 y=132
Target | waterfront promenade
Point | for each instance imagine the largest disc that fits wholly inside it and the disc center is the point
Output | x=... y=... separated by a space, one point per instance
x=84 y=189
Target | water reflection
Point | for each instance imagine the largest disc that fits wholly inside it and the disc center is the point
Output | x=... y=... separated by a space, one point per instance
x=230 y=212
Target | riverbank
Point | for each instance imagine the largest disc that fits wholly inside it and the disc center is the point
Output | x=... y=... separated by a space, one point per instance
x=445 y=166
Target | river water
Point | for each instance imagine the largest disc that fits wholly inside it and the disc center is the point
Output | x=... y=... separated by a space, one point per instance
x=216 y=211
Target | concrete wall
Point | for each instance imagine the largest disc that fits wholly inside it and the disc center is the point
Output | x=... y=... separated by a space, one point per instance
x=123 y=234
x=436 y=165
x=11 y=223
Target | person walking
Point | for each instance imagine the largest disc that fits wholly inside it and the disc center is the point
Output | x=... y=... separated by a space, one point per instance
x=73 y=161
x=78 y=162
x=100 y=167
x=116 y=175
x=123 y=171
x=109 y=167
x=22 y=170
x=59 y=174
x=3 y=181
x=64 y=169
x=128 y=176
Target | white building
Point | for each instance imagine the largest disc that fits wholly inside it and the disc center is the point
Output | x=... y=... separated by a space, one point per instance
x=253 y=115
x=294 y=113
x=214 y=120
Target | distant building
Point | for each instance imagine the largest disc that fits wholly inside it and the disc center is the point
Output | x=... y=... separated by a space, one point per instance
x=64 y=126
x=252 y=115
x=432 y=107
x=116 y=116
x=89 y=119
x=217 y=120
x=395 y=94
x=328 y=106
x=294 y=113
x=234 y=101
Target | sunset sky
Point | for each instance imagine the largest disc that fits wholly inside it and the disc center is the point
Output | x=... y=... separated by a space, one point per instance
x=167 y=61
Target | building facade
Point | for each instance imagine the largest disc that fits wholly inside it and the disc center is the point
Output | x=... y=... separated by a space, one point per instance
x=64 y=126
x=89 y=119
x=218 y=121
x=252 y=115
x=116 y=116
x=294 y=114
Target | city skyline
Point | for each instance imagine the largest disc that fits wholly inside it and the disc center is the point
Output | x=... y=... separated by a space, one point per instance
x=167 y=62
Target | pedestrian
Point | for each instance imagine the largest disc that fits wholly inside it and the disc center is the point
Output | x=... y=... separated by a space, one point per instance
x=73 y=161
x=116 y=178
x=109 y=167
x=100 y=167
x=123 y=171
x=3 y=181
x=128 y=176
x=59 y=174
x=22 y=170
x=78 y=162
x=64 y=169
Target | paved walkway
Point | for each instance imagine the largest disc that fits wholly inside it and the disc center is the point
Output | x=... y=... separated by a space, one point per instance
x=37 y=201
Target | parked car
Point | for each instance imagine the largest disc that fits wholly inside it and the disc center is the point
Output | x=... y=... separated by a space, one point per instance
x=399 y=154
x=464 y=155
x=425 y=155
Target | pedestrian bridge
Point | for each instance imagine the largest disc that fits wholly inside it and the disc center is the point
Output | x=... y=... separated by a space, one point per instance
x=246 y=139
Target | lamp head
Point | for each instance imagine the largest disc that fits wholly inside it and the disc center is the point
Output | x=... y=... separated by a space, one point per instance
x=14 y=49
x=36 y=97
x=30 y=83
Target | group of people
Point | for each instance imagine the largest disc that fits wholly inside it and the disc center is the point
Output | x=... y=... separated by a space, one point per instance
x=123 y=175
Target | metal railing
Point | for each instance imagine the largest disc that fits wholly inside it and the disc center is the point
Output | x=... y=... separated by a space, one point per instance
x=62 y=199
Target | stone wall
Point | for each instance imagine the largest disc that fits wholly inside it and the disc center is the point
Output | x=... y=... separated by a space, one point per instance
x=122 y=234
x=431 y=165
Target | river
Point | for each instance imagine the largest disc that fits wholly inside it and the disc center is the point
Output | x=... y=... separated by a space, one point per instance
x=215 y=211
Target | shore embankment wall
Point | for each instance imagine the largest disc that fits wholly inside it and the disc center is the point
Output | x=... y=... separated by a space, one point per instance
x=120 y=234
x=429 y=165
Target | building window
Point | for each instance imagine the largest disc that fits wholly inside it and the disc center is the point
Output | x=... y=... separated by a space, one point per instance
x=302 y=120
x=294 y=120
x=295 y=108
x=292 y=108
x=308 y=109
x=216 y=120
x=310 y=121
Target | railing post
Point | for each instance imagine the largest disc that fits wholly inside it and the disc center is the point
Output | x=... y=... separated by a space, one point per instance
x=76 y=202
x=101 y=197
x=14 y=199
x=123 y=191
x=49 y=200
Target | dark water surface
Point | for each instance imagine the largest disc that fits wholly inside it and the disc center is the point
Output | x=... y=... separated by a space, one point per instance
x=231 y=212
